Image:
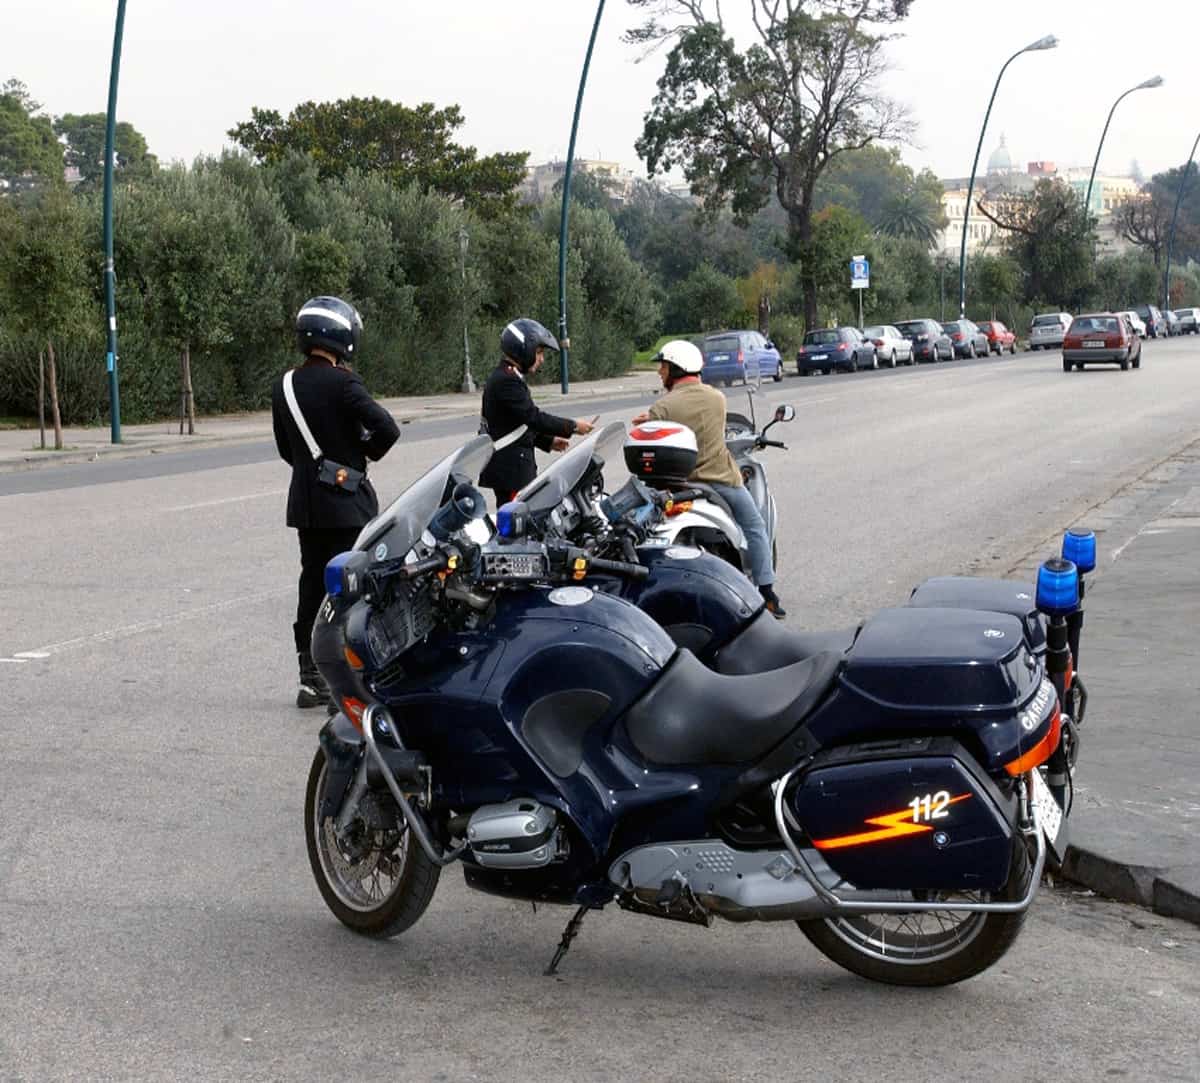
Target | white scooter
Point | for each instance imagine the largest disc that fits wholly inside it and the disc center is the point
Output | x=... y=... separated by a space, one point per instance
x=663 y=454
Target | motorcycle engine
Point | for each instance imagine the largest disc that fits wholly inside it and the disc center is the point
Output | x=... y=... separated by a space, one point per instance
x=518 y=834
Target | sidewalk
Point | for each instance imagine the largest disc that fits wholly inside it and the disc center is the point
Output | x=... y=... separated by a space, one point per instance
x=1135 y=828
x=19 y=447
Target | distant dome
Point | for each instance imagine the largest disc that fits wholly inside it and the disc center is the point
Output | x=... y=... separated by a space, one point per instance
x=1001 y=160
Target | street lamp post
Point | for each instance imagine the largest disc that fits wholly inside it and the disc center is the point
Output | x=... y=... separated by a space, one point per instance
x=1183 y=179
x=110 y=293
x=1048 y=42
x=1149 y=84
x=468 y=384
x=563 y=339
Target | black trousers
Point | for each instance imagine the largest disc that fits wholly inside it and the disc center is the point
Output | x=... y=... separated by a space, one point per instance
x=318 y=546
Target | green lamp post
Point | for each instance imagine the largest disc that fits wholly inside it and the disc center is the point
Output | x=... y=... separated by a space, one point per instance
x=563 y=338
x=110 y=296
x=1183 y=179
x=1048 y=42
x=1149 y=84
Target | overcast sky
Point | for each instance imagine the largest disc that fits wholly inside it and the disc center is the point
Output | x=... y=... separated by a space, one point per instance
x=190 y=71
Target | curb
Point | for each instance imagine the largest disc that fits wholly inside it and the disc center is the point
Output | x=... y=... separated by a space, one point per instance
x=1170 y=892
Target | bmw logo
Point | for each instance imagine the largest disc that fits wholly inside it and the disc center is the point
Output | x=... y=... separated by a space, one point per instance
x=381 y=551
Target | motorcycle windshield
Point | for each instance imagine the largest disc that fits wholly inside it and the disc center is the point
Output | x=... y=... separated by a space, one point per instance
x=547 y=490
x=398 y=528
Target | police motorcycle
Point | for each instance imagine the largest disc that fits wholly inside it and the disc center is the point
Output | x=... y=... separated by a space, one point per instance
x=499 y=712
x=708 y=521
x=706 y=606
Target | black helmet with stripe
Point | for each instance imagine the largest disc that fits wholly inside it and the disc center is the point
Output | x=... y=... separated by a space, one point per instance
x=521 y=340
x=328 y=323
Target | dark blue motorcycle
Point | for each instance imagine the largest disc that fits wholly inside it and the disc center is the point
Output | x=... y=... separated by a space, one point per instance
x=504 y=708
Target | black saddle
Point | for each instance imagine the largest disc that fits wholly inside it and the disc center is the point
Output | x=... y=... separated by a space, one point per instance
x=695 y=716
x=766 y=644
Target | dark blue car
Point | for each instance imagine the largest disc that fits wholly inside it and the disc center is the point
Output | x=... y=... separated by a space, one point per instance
x=744 y=357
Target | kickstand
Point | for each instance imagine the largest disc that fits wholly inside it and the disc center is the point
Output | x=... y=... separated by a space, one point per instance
x=569 y=934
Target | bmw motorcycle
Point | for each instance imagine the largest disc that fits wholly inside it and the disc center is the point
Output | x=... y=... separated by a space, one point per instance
x=503 y=712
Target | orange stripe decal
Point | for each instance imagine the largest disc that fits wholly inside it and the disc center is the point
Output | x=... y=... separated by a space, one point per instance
x=1041 y=751
x=894 y=825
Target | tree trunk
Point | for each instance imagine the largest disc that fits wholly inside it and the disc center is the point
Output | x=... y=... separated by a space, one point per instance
x=42 y=396
x=54 y=412
x=187 y=403
x=799 y=240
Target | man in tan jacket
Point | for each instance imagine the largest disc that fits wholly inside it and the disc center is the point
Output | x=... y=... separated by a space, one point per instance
x=702 y=409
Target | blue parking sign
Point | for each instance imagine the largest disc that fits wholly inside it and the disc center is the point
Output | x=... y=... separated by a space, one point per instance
x=860 y=273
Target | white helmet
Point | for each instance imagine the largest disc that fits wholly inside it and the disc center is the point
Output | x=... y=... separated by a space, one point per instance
x=683 y=355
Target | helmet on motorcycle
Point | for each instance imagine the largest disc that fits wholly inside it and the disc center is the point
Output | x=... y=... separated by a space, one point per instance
x=521 y=340
x=683 y=355
x=661 y=453
x=328 y=323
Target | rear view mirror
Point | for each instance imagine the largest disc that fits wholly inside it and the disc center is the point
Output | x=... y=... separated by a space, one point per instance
x=785 y=413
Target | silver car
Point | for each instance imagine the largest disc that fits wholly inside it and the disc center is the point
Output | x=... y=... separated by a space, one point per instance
x=890 y=345
x=1047 y=331
x=1189 y=320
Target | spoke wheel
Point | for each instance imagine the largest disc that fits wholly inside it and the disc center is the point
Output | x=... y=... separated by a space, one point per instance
x=374 y=877
x=924 y=948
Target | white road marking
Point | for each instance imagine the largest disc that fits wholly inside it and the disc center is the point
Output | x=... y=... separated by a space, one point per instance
x=126 y=630
x=225 y=500
x=18 y=661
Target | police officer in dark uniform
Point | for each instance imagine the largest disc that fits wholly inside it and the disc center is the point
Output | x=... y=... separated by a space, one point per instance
x=507 y=405
x=328 y=507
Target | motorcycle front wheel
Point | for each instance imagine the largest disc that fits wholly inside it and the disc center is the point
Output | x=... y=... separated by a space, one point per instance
x=375 y=878
x=924 y=949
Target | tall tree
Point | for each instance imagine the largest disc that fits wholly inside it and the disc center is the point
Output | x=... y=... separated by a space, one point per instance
x=1050 y=237
x=1145 y=220
x=85 y=135
x=746 y=124
x=27 y=141
x=374 y=135
x=911 y=212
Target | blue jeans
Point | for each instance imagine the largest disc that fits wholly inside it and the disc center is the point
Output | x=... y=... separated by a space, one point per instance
x=746 y=514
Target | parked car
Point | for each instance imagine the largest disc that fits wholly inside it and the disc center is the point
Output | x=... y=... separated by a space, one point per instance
x=1172 y=323
x=1189 y=320
x=1101 y=338
x=1156 y=326
x=835 y=348
x=966 y=339
x=1136 y=320
x=1047 y=330
x=890 y=345
x=930 y=342
x=999 y=337
x=739 y=357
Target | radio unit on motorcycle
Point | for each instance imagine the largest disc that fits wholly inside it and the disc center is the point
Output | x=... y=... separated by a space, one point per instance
x=513 y=561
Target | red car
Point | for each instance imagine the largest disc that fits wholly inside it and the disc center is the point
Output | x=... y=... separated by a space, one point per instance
x=999 y=337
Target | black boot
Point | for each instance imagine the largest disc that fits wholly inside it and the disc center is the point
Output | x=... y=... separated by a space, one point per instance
x=313 y=690
x=774 y=605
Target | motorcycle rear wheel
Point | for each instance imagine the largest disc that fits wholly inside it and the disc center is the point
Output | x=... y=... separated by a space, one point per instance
x=378 y=881
x=923 y=949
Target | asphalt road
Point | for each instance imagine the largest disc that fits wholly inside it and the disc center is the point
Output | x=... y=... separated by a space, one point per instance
x=157 y=915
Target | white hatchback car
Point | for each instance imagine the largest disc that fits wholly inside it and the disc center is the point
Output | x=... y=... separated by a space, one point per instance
x=1139 y=325
x=1047 y=331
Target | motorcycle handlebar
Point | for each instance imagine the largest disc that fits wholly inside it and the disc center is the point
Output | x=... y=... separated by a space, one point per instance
x=763 y=442
x=618 y=567
x=436 y=563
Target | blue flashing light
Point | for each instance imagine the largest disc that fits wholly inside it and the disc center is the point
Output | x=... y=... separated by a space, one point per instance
x=333 y=573
x=1057 y=587
x=507 y=519
x=1079 y=547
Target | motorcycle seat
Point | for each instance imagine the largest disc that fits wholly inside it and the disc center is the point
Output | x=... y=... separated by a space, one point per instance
x=692 y=715
x=766 y=644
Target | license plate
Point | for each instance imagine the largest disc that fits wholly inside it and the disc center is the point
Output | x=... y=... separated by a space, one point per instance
x=819 y=357
x=1049 y=812
x=1093 y=345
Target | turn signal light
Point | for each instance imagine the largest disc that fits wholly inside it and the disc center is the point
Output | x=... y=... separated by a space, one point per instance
x=1041 y=751
x=673 y=509
x=352 y=658
x=354 y=710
